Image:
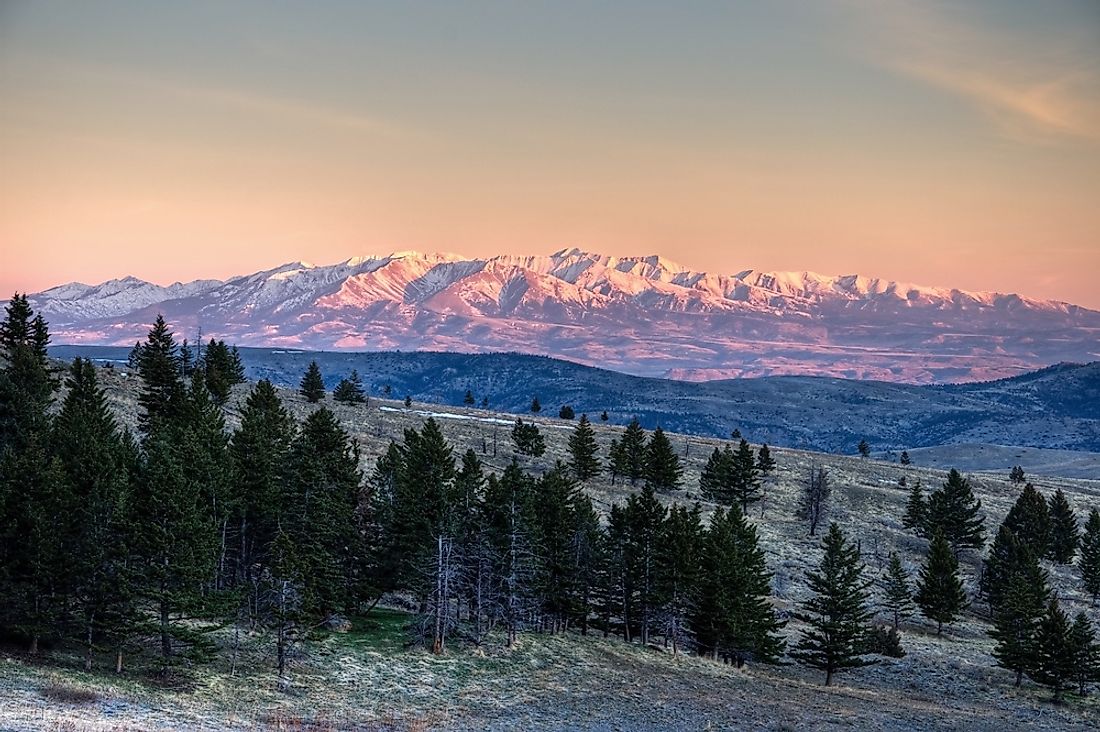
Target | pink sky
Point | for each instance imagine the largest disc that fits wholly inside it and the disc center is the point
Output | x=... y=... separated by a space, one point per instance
x=955 y=150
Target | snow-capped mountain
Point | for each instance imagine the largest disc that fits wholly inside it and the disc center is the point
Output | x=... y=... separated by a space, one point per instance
x=645 y=315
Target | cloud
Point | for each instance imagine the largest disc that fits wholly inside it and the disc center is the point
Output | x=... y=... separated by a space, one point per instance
x=1034 y=87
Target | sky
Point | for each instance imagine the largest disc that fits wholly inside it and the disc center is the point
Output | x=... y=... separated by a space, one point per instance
x=940 y=143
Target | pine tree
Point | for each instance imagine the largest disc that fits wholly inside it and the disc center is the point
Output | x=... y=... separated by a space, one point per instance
x=223 y=370
x=175 y=536
x=940 y=593
x=583 y=450
x=312 y=386
x=905 y=459
x=260 y=466
x=897 y=596
x=956 y=513
x=916 y=509
x=604 y=416
x=642 y=516
x=632 y=452
x=527 y=439
x=1086 y=654
x=1016 y=475
x=733 y=617
x=468 y=398
x=350 y=390
x=509 y=519
x=864 y=449
x=566 y=412
x=1029 y=520
x=746 y=480
x=679 y=570
x=95 y=460
x=662 y=465
x=426 y=504
x=1090 y=556
x=1053 y=661
x=837 y=614
x=535 y=406
x=765 y=463
x=1064 y=534
x=162 y=391
x=556 y=495
x=1017 y=601
x=321 y=503
x=716 y=479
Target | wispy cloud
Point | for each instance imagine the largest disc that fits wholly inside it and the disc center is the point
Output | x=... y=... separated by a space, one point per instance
x=1035 y=88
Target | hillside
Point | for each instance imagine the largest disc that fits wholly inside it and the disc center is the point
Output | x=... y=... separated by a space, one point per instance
x=645 y=315
x=1057 y=407
x=364 y=679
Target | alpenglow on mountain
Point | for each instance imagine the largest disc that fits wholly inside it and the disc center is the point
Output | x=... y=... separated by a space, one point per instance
x=641 y=315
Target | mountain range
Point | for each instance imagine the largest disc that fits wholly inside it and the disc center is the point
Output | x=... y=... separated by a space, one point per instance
x=640 y=315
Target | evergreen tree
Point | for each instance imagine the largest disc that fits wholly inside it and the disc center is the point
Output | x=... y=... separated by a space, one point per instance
x=535 y=406
x=223 y=370
x=1016 y=475
x=1021 y=599
x=916 y=509
x=632 y=452
x=679 y=570
x=733 y=617
x=1064 y=534
x=662 y=465
x=1086 y=654
x=717 y=477
x=864 y=449
x=176 y=536
x=312 y=386
x=468 y=398
x=260 y=466
x=322 y=501
x=940 y=594
x=642 y=519
x=426 y=504
x=566 y=412
x=956 y=513
x=765 y=463
x=527 y=439
x=604 y=416
x=509 y=519
x=897 y=596
x=350 y=390
x=162 y=391
x=1053 y=662
x=837 y=614
x=583 y=450
x=96 y=463
x=905 y=459
x=588 y=557
x=1029 y=521
x=1090 y=556
x=556 y=496
x=746 y=480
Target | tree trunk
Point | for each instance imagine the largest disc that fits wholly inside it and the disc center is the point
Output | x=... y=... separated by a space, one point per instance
x=88 y=649
x=828 y=677
x=118 y=661
x=1019 y=676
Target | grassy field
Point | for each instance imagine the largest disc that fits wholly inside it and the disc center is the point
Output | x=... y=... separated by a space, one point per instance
x=367 y=679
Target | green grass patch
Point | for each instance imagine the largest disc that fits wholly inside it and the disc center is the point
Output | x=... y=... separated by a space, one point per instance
x=382 y=630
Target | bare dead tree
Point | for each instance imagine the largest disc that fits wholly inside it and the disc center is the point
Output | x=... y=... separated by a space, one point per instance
x=815 y=498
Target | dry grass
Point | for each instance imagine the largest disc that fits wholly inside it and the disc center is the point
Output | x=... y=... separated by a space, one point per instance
x=363 y=680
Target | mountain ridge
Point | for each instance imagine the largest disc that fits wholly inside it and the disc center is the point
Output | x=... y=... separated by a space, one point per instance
x=646 y=315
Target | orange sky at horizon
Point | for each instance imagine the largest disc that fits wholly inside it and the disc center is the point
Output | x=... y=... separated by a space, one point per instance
x=897 y=139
